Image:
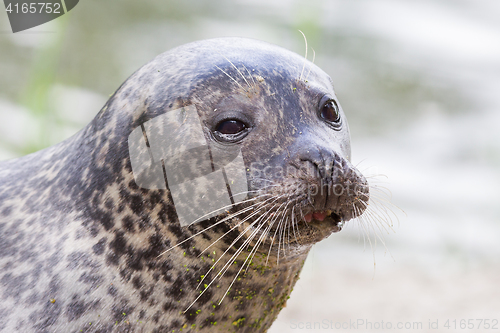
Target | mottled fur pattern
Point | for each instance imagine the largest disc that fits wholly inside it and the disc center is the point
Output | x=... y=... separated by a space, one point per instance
x=82 y=246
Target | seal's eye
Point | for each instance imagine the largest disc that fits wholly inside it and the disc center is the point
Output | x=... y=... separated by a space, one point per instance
x=231 y=126
x=330 y=112
x=230 y=130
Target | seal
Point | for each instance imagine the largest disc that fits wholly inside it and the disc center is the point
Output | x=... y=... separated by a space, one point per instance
x=93 y=231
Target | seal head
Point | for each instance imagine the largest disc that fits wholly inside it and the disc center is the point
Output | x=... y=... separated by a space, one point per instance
x=94 y=238
x=281 y=113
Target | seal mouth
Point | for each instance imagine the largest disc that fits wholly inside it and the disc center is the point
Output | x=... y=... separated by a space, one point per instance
x=323 y=216
x=321 y=223
x=310 y=229
x=318 y=215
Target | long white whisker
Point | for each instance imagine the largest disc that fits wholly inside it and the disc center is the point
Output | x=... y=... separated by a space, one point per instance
x=221 y=273
x=237 y=70
x=251 y=255
x=216 y=223
x=249 y=74
x=274 y=236
x=310 y=67
x=231 y=77
x=303 y=67
x=228 y=263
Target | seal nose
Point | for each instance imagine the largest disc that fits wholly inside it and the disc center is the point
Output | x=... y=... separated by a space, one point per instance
x=321 y=160
x=316 y=165
x=333 y=184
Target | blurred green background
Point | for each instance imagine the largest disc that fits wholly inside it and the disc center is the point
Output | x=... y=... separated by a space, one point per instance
x=419 y=83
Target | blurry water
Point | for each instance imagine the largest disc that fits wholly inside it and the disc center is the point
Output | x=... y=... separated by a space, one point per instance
x=419 y=83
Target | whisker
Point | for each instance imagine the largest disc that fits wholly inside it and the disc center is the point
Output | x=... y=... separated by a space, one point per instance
x=238 y=252
x=310 y=67
x=267 y=212
x=259 y=208
x=216 y=223
x=250 y=256
x=231 y=78
x=303 y=67
x=259 y=242
x=210 y=283
x=238 y=72
x=248 y=240
x=228 y=263
x=274 y=236
x=249 y=74
x=293 y=220
x=230 y=246
x=288 y=238
x=252 y=252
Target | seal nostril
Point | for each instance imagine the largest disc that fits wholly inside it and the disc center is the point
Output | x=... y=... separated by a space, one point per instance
x=322 y=162
x=317 y=167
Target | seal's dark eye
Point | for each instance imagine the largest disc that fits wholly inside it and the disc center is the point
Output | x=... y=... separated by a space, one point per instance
x=230 y=127
x=230 y=130
x=330 y=112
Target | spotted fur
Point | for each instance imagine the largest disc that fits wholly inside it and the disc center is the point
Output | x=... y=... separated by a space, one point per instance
x=82 y=247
